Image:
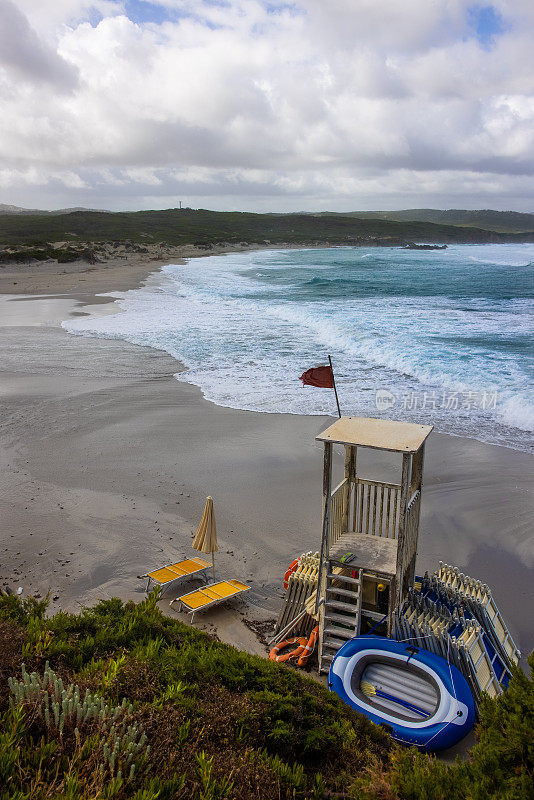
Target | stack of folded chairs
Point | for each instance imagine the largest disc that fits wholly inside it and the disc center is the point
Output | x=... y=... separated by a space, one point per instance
x=302 y=588
x=454 y=616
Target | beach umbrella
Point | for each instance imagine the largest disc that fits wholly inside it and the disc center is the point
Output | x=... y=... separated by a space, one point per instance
x=205 y=540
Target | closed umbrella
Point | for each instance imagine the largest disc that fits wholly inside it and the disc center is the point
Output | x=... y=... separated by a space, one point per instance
x=205 y=540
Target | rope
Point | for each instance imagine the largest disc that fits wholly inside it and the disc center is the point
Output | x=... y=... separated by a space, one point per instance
x=445 y=724
x=411 y=638
x=377 y=624
x=454 y=691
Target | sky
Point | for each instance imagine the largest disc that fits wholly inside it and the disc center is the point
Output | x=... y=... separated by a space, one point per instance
x=267 y=106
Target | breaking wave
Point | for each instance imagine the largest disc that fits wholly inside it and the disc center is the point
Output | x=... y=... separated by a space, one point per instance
x=448 y=334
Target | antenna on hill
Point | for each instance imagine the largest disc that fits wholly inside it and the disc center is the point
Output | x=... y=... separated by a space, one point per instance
x=180 y=204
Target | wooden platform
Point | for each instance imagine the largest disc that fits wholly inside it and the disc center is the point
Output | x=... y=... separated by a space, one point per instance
x=376 y=553
x=379 y=434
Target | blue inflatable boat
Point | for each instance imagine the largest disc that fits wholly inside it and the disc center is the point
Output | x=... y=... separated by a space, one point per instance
x=417 y=696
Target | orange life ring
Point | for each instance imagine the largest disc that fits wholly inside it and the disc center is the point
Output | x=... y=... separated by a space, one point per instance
x=310 y=647
x=290 y=570
x=300 y=640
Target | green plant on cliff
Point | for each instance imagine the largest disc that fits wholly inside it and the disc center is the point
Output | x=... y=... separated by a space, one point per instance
x=59 y=711
x=218 y=723
x=500 y=766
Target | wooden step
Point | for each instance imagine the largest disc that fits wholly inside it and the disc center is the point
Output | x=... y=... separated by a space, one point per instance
x=334 y=644
x=344 y=578
x=351 y=607
x=340 y=618
x=343 y=592
x=340 y=632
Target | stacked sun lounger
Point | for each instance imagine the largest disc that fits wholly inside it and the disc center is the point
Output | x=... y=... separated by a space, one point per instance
x=436 y=617
x=302 y=584
x=459 y=642
x=478 y=599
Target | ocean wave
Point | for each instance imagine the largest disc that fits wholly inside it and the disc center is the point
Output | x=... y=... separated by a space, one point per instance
x=501 y=263
x=319 y=282
x=517 y=411
x=245 y=334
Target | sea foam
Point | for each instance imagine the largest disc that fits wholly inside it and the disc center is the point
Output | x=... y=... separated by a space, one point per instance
x=448 y=337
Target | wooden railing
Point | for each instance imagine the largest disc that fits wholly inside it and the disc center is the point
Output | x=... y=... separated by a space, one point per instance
x=370 y=507
x=335 y=528
x=376 y=508
x=411 y=529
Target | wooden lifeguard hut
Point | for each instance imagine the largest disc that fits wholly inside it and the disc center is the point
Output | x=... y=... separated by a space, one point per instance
x=370 y=531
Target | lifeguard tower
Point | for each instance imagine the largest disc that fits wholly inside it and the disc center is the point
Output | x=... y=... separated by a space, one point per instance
x=370 y=531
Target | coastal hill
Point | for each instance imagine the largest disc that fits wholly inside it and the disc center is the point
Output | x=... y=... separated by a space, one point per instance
x=7 y=209
x=486 y=219
x=207 y=228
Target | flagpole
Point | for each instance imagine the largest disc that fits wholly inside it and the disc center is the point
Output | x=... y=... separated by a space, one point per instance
x=335 y=390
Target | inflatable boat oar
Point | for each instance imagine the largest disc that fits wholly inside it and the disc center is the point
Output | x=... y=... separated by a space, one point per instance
x=369 y=690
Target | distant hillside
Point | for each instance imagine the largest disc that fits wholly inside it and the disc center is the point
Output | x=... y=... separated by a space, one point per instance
x=205 y=228
x=6 y=209
x=486 y=219
x=501 y=221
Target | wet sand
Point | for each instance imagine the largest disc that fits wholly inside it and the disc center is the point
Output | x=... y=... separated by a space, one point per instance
x=106 y=461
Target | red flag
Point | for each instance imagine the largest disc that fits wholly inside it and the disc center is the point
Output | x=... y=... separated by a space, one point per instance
x=322 y=377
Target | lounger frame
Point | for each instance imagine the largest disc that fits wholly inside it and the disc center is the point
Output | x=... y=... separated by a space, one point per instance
x=212 y=601
x=201 y=573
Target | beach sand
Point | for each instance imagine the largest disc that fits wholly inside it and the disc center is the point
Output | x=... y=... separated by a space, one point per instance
x=106 y=461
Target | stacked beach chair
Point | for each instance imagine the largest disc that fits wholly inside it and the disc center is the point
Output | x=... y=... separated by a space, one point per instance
x=454 y=616
x=301 y=589
x=478 y=599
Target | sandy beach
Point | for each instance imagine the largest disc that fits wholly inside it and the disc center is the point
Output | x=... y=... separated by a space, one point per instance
x=107 y=460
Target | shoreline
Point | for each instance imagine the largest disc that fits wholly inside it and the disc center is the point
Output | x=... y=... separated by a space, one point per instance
x=125 y=270
x=98 y=437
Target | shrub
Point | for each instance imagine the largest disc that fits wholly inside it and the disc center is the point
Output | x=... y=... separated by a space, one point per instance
x=58 y=712
x=219 y=723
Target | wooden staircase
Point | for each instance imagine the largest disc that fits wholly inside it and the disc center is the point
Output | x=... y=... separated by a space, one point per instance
x=341 y=612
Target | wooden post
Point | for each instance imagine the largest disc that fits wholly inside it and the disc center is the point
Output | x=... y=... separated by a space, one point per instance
x=350 y=475
x=404 y=498
x=327 y=481
x=325 y=545
x=417 y=470
x=416 y=484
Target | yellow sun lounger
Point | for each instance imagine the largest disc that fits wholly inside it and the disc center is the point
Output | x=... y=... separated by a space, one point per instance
x=209 y=595
x=188 y=568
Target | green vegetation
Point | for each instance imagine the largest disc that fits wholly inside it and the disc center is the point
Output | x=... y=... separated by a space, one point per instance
x=62 y=255
x=501 y=221
x=207 y=228
x=121 y=702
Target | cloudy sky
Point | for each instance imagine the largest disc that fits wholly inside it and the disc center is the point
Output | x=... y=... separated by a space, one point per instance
x=248 y=104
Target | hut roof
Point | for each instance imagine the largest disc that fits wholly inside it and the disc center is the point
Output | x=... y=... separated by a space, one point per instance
x=380 y=434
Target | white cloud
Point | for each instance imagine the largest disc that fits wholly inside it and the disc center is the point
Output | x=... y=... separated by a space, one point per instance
x=25 y=56
x=314 y=103
x=51 y=16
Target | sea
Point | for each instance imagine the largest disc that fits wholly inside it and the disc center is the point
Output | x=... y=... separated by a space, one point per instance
x=441 y=337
